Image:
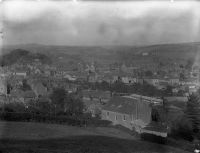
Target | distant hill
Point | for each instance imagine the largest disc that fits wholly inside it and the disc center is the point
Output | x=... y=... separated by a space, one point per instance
x=23 y=56
x=110 y=54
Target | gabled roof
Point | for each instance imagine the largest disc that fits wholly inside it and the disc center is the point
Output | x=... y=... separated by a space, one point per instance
x=121 y=105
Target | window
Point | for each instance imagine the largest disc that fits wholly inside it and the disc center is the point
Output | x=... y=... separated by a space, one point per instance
x=115 y=117
x=107 y=113
x=124 y=118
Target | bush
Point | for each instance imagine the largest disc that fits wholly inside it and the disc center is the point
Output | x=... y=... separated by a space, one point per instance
x=98 y=122
x=8 y=116
x=182 y=128
x=153 y=138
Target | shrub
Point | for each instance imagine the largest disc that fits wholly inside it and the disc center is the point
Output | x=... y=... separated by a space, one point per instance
x=153 y=138
x=182 y=128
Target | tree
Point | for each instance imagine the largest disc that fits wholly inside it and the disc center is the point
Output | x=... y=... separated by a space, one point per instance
x=193 y=112
x=73 y=106
x=168 y=91
x=25 y=86
x=58 y=98
x=189 y=64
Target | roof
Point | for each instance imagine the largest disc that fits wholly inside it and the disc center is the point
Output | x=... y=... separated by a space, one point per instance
x=89 y=103
x=175 y=98
x=96 y=94
x=121 y=104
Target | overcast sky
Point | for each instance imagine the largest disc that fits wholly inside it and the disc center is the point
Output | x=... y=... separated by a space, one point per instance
x=100 y=23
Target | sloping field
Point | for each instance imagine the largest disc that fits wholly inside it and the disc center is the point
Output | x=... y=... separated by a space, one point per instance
x=17 y=137
x=38 y=131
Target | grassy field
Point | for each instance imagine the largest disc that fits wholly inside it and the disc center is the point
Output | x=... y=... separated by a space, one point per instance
x=18 y=137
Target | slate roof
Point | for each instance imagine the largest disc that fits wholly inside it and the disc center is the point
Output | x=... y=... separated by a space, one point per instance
x=96 y=94
x=121 y=105
x=175 y=98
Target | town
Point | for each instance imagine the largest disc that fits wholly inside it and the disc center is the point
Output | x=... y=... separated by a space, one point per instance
x=135 y=97
x=87 y=76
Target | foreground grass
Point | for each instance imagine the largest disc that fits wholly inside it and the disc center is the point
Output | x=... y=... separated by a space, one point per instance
x=83 y=144
x=47 y=138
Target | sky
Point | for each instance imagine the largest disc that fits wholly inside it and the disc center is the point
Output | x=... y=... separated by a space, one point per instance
x=96 y=23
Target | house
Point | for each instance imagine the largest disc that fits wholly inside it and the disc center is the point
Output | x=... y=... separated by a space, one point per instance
x=20 y=73
x=133 y=113
x=17 y=95
x=92 y=107
x=152 y=81
x=192 y=89
x=174 y=81
x=128 y=79
x=128 y=112
x=106 y=77
x=145 y=54
x=94 y=100
x=92 y=77
x=69 y=77
x=70 y=87
x=96 y=95
x=152 y=100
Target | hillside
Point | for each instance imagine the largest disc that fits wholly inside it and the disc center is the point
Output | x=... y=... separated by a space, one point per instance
x=110 y=54
x=18 y=137
x=22 y=56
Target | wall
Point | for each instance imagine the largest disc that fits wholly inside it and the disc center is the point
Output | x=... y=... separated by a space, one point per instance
x=130 y=121
x=120 y=118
